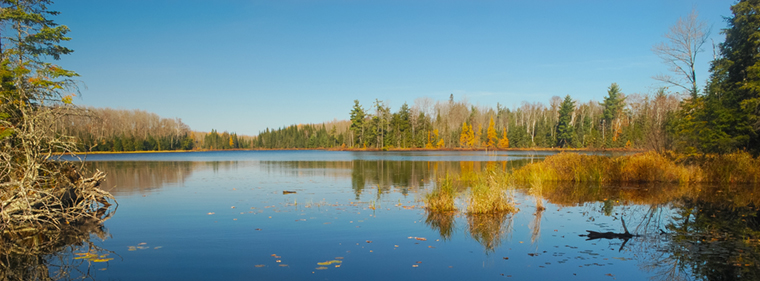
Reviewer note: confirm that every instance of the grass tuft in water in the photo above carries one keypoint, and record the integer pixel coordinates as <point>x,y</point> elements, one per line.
<point>441,199</point>
<point>489,193</point>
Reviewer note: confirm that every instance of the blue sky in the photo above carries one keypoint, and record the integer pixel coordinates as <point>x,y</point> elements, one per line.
<point>243,66</point>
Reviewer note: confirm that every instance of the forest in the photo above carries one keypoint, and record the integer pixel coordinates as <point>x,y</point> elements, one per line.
<point>116,130</point>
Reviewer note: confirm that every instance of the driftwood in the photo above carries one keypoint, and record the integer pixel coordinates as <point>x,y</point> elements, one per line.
<point>593,235</point>
<point>35,209</point>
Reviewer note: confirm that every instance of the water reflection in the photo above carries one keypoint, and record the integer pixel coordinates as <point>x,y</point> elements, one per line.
<point>708,232</point>
<point>686,231</point>
<point>55,254</point>
<point>442,222</point>
<point>489,229</point>
<point>133,177</point>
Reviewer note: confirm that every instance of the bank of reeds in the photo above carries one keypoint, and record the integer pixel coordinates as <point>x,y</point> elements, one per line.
<point>729,168</point>
<point>647,167</point>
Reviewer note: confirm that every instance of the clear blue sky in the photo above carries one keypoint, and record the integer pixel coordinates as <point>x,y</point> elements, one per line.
<point>242,66</point>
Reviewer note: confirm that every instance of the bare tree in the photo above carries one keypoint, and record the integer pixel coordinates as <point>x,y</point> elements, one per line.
<point>679,52</point>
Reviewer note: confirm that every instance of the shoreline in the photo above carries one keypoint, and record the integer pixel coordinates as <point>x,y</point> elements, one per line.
<point>372,150</point>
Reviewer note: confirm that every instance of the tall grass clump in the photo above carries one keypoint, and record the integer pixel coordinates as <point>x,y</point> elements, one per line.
<point>565,167</point>
<point>441,199</point>
<point>488,194</point>
<point>650,167</point>
<point>739,167</point>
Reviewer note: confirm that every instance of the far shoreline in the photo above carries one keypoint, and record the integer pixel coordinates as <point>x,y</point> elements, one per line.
<point>370,150</point>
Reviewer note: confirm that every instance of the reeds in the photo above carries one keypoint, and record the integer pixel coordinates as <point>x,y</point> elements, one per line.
<point>648,167</point>
<point>488,193</point>
<point>441,199</point>
<point>738,167</point>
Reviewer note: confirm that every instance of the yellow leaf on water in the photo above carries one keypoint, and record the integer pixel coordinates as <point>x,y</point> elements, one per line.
<point>259,265</point>
<point>329,262</point>
<point>101,260</point>
<point>321,268</point>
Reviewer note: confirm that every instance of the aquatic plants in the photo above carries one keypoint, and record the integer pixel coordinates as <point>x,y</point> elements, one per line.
<point>441,199</point>
<point>488,193</point>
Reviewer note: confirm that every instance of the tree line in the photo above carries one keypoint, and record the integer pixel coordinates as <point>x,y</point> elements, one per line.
<point>722,117</point>
<point>634,121</point>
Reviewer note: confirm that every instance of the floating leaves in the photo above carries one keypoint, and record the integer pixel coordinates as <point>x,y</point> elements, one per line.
<point>142,246</point>
<point>329,262</point>
<point>92,256</point>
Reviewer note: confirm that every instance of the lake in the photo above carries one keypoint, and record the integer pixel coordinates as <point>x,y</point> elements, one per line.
<point>327,215</point>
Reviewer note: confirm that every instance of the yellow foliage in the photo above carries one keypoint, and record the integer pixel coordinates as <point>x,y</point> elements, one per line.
<point>475,136</point>
<point>504,141</point>
<point>464,137</point>
<point>429,143</point>
<point>440,144</point>
<point>491,134</point>
<point>67,99</point>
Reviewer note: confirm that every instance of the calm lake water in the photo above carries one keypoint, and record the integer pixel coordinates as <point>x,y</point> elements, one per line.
<point>358,216</point>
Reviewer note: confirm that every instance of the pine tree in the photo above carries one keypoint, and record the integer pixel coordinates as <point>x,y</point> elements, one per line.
<point>357,123</point>
<point>564,129</point>
<point>613,105</point>
<point>731,108</point>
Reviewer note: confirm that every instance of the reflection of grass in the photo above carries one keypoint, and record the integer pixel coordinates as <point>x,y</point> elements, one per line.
<point>441,199</point>
<point>443,222</point>
<point>489,229</point>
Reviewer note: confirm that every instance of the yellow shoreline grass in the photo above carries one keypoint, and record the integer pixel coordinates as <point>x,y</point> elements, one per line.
<point>647,167</point>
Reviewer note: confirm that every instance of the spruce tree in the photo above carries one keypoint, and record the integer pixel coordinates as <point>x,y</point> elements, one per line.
<point>564,129</point>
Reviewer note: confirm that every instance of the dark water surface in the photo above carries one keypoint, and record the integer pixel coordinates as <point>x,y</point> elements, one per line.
<point>358,216</point>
